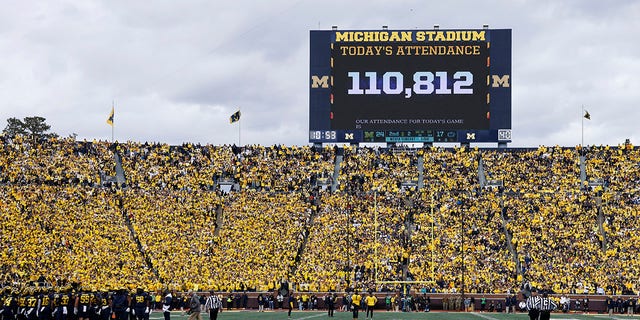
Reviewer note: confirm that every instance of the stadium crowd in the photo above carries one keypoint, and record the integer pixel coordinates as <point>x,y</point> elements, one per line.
<point>171,225</point>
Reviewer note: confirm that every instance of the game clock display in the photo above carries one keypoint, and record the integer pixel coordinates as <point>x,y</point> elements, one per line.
<point>410,86</point>
<point>327,135</point>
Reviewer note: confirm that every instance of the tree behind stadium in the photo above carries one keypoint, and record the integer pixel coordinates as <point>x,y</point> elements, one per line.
<point>34,127</point>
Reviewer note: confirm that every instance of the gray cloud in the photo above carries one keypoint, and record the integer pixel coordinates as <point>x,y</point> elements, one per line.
<point>178,69</point>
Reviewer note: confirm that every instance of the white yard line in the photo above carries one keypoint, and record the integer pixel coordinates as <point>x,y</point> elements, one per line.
<point>482,315</point>
<point>606,316</point>
<point>313,316</point>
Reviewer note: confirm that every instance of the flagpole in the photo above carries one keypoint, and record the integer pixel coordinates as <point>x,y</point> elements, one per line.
<point>113,104</point>
<point>582,139</point>
<point>239,125</point>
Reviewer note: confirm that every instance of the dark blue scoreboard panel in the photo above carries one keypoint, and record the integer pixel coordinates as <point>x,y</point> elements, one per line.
<point>410,86</point>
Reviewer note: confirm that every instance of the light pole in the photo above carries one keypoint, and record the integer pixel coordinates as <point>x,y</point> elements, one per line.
<point>349,245</point>
<point>463,208</point>
<point>433,247</point>
<point>462,244</point>
<point>375,234</point>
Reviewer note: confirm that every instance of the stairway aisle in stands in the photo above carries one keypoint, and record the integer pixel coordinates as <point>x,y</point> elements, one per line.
<point>121,180</point>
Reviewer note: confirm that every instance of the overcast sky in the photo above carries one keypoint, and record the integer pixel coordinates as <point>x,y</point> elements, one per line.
<point>178,69</point>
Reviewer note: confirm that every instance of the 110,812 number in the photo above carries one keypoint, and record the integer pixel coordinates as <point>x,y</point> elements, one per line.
<point>424,82</point>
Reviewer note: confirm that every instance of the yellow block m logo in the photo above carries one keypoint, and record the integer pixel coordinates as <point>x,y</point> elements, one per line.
<point>317,82</point>
<point>500,81</point>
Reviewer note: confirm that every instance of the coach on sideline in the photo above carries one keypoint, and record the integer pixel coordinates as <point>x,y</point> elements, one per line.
<point>194,306</point>
<point>166,305</point>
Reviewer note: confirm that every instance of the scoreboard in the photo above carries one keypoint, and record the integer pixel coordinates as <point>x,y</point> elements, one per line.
<point>410,86</point>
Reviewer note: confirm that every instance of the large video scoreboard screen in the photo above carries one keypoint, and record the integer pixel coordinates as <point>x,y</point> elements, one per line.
<point>410,86</point>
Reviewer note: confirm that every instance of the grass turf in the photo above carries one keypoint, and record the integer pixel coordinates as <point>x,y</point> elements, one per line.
<point>383,315</point>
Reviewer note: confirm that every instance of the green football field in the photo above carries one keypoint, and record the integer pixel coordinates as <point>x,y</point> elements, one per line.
<point>382,315</point>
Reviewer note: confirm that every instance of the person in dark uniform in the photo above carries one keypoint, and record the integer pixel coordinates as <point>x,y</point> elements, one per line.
<point>82,305</point>
<point>290,304</point>
<point>167,305</point>
<point>31,311</point>
<point>131,314</point>
<point>507,303</point>
<point>22,305</point>
<point>514,303</point>
<point>140,304</point>
<point>610,305</point>
<point>68,301</point>
<point>120,304</point>
<point>103,304</point>
<point>45,302</point>
<point>330,302</point>
<point>10,305</point>
<point>58,312</point>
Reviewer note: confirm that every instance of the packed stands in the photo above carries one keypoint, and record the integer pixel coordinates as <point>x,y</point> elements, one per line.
<point>171,225</point>
<point>342,240</point>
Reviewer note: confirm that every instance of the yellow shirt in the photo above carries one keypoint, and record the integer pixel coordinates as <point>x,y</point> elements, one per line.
<point>371,300</point>
<point>356,299</point>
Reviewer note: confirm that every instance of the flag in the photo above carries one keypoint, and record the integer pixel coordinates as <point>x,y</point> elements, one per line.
<point>110,119</point>
<point>587,115</point>
<point>235,117</point>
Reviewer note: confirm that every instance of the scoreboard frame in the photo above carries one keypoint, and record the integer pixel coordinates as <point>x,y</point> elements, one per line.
<point>410,86</point>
